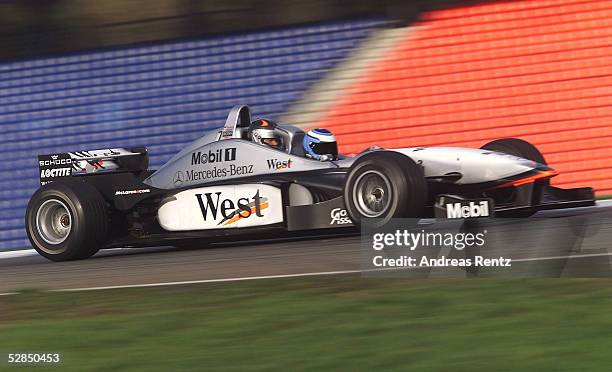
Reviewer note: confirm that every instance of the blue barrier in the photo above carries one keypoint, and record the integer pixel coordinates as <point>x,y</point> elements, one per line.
<point>160,96</point>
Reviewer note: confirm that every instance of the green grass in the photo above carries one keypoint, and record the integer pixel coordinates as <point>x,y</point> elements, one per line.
<point>340,322</point>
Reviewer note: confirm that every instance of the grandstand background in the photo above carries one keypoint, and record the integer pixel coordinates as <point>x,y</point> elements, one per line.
<point>161,96</point>
<point>538,70</point>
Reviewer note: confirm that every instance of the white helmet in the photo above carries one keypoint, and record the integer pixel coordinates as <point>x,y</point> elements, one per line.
<point>262,132</point>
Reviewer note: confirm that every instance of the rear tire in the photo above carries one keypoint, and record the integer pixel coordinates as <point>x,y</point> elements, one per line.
<point>384,185</point>
<point>67,220</point>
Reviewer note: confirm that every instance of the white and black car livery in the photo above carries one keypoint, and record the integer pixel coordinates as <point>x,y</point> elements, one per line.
<point>222,184</point>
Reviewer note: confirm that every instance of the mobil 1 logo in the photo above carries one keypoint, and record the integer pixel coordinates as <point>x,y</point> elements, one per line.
<point>54,166</point>
<point>453,207</point>
<point>213,156</point>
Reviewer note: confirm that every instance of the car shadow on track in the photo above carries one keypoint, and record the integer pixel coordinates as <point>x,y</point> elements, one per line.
<point>226,244</point>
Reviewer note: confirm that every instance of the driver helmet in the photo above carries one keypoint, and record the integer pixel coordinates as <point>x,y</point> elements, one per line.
<point>320,144</point>
<point>262,132</point>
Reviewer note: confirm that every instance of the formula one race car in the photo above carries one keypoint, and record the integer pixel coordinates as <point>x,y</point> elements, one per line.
<point>223,184</point>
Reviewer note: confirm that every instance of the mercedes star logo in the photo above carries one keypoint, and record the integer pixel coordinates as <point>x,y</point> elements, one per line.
<point>178,178</point>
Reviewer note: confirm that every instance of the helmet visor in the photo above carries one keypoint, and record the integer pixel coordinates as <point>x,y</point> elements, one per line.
<point>272,142</point>
<point>325,148</point>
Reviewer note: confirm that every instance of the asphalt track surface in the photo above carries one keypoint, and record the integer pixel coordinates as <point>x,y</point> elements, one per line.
<point>235,261</point>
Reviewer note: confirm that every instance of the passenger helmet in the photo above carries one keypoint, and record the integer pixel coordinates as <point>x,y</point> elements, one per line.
<point>320,144</point>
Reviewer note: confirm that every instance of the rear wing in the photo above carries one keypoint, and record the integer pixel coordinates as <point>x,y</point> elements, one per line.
<point>56,166</point>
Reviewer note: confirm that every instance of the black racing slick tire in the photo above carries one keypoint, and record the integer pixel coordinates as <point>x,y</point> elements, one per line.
<point>67,220</point>
<point>520,148</point>
<point>384,185</point>
<point>516,147</point>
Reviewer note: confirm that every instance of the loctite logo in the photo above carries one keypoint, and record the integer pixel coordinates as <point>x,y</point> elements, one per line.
<point>214,206</point>
<point>275,164</point>
<point>217,156</point>
<point>471,210</point>
<point>57,172</point>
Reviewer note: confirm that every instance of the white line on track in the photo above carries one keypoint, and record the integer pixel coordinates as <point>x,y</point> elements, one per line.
<point>604,203</point>
<point>239,279</point>
<point>221,280</point>
<point>323,273</point>
<point>32,252</point>
<point>561,257</point>
<point>17,254</point>
<point>28,252</point>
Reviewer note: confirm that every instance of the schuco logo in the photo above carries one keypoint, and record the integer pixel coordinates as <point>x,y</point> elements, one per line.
<point>55,160</point>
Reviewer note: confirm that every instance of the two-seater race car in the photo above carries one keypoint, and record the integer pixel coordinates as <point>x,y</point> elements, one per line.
<point>223,184</point>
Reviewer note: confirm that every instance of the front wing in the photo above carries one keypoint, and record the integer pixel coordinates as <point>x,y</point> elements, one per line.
<point>529,199</point>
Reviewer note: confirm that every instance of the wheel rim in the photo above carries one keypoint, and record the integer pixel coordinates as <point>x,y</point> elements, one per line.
<point>53,221</point>
<point>372,193</point>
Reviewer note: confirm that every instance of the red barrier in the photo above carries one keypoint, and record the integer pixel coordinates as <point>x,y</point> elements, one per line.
<point>539,70</point>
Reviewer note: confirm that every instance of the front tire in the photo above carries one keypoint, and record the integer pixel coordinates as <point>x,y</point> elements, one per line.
<point>516,147</point>
<point>67,220</point>
<point>383,185</point>
<point>523,149</point>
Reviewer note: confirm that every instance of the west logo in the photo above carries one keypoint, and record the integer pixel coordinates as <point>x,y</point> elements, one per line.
<point>471,210</point>
<point>276,164</point>
<point>213,205</point>
<point>217,156</point>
